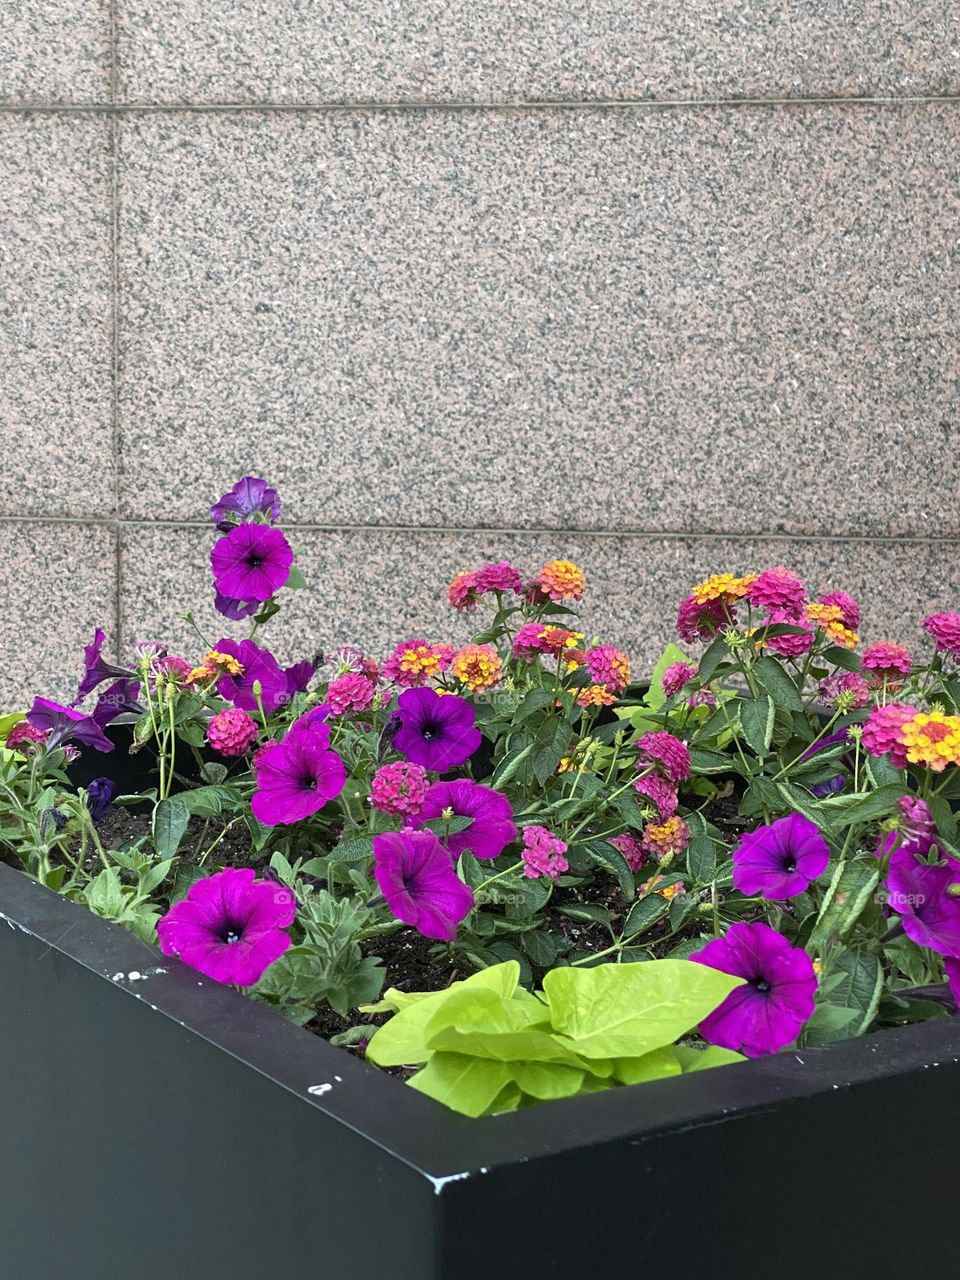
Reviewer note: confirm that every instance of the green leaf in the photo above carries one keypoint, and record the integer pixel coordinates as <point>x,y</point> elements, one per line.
<point>868,806</point>
<point>837,656</point>
<point>627,1010</point>
<point>772,677</point>
<point>756,720</point>
<point>155,877</point>
<point>540,946</point>
<point>695,1059</point>
<point>704,761</point>
<point>209,801</point>
<point>547,1080</point>
<point>645,912</point>
<point>716,652</point>
<point>850,889</point>
<point>613,860</point>
<point>353,849</point>
<point>656,1065</point>
<point>857,992</point>
<point>592,912</point>
<point>467,1085</point>
<point>170,820</point>
<point>534,700</point>
<point>701,858</point>
<point>510,765</point>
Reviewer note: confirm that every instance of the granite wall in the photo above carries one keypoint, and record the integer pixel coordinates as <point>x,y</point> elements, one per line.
<point>664,287</point>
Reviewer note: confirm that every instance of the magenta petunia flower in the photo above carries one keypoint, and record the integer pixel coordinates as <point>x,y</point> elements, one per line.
<point>945,629</point>
<point>881,732</point>
<point>780,860</point>
<point>249,496</point>
<point>251,562</point>
<point>492,828</point>
<point>886,660</point>
<point>232,732</point>
<point>64,724</point>
<point>669,754</point>
<point>951,970</point>
<point>230,926</point>
<point>435,730</point>
<point>921,896</point>
<point>777,998</point>
<point>96,669</point>
<point>849,609</point>
<point>779,591</point>
<point>417,879</point>
<point>399,788</point>
<point>295,778</point>
<point>258,665</point>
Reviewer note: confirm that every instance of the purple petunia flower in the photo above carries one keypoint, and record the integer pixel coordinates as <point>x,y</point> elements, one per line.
<point>435,730</point>
<point>234,609</point>
<point>830,787</point>
<point>118,699</point>
<point>258,664</point>
<point>951,970</point>
<point>777,998</point>
<point>416,877</point>
<point>492,828</point>
<point>920,895</point>
<point>298,677</point>
<point>780,860</point>
<point>230,926</point>
<point>296,777</point>
<point>95,669</point>
<point>249,496</point>
<point>64,724</point>
<point>100,793</point>
<point>251,562</point>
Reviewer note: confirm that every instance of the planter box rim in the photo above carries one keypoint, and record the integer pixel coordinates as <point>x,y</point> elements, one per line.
<point>437,1143</point>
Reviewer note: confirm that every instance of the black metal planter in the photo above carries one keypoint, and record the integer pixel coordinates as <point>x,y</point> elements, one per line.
<point>155,1126</point>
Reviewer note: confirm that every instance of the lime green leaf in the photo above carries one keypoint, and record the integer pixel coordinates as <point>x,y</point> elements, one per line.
<point>692,1059</point>
<point>650,1066</point>
<point>546,1080</point>
<point>468,1085</point>
<point>624,1011</point>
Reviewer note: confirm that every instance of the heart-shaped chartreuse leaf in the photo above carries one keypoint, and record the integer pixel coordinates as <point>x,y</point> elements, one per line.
<point>628,1010</point>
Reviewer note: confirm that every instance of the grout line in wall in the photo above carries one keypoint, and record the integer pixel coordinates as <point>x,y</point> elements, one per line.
<point>115,362</point>
<point>649,535</point>
<point>519,104</point>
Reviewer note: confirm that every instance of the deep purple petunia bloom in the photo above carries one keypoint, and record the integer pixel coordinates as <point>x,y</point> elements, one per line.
<point>780,860</point>
<point>100,793</point>
<point>416,877</point>
<point>248,497</point>
<point>234,609</point>
<point>116,700</point>
<point>778,997</point>
<point>258,664</point>
<point>436,730</point>
<point>251,562</point>
<point>296,777</point>
<point>492,827</point>
<point>95,669</point>
<point>918,893</point>
<point>298,677</point>
<point>64,724</point>
<point>830,787</point>
<point>230,926</point>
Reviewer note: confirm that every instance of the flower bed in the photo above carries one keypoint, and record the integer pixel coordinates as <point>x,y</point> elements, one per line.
<point>599,887</point>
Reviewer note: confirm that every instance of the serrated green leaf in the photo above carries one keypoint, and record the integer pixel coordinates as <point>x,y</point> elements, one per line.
<point>644,913</point>
<point>353,849</point>
<point>772,677</point>
<point>756,720</point>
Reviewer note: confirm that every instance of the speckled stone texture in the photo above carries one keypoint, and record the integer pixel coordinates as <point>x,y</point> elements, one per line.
<point>377,588</point>
<point>736,320</point>
<point>490,50</point>
<point>54,51</point>
<point>56,434</point>
<point>57,583</point>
